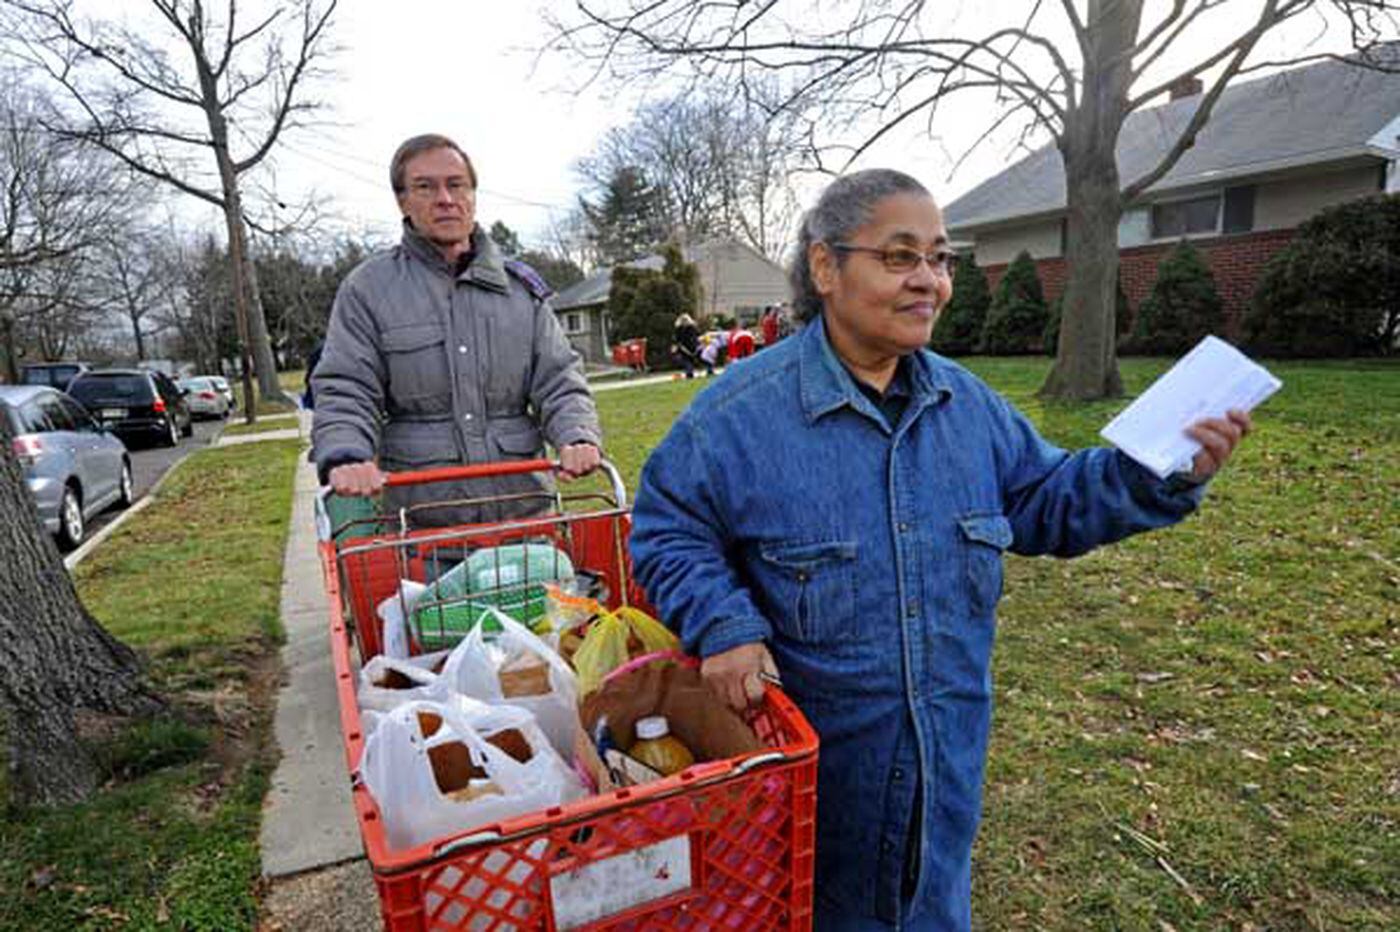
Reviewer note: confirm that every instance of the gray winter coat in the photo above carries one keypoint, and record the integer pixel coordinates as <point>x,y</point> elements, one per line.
<point>421,369</point>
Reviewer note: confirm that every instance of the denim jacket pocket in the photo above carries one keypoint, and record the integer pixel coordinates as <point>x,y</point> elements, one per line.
<point>812,587</point>
<point>985,538</point>
<point>417,363</point>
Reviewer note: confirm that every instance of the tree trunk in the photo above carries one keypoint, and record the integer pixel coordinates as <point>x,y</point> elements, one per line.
<point>61,667</point>
<point>136,332</point>
<point>7,346</point>
<point>1086,362</point>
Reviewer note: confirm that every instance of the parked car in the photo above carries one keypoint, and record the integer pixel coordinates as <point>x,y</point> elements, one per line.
<point>73,467</point>
<point>135,403</point>
<point>225,389</point>
<point>204,398</point>
<point>55,374</point>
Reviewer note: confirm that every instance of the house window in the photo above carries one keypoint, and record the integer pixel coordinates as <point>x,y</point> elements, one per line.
<point>1185,218</point>
<point>574,322</point>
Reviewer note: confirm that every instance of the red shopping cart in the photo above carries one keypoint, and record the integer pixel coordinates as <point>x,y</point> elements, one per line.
<point>735,836</point>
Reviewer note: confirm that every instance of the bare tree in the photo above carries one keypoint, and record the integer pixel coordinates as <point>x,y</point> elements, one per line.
<point>136,273</point>
<point>885,63</point>
<point>241,86</point>
<point>720,167</point>
<point>56,198</point>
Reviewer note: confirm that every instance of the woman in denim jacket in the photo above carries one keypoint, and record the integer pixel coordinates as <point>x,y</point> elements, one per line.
<point>835,510</point>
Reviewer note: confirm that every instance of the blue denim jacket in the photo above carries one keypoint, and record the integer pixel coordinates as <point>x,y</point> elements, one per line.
<point>781,507</point>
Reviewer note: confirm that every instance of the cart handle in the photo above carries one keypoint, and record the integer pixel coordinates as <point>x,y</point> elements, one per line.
<point>501,468</point>
<point>457,473</point>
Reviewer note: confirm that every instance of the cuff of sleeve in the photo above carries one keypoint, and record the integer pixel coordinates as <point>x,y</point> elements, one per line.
<point>579,435</point>
<point>1175,493</point>
<point>724,634</point>
<point>337,457</point>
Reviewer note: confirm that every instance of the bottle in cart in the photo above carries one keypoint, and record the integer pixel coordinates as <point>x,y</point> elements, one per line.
<point>658,748</point>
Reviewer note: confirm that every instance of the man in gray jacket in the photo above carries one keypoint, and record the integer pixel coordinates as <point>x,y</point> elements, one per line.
<point>439,353</point>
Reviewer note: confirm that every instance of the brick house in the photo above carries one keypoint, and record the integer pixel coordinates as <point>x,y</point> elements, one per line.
<point>1276,151</point>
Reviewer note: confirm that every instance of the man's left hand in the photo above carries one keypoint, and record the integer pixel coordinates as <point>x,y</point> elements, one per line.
<point>1218,437</point>
<point>578,459</point>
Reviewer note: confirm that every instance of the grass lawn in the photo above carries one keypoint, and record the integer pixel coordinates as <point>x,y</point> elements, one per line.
<point>261,426</point>
<point>194,583</point>
<point>1200,728</point>
<point>292,383</point>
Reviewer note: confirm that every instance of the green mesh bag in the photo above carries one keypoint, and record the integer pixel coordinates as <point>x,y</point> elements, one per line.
<point>510,578</point>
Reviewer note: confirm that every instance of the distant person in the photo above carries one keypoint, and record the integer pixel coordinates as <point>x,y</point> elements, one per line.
<point>308,395</point>
<point>713,350</point>
<point>868,578</point>
<point>440,352</point>
<point>740,343</point>
<point>685,348</point>
<point>769,325</point>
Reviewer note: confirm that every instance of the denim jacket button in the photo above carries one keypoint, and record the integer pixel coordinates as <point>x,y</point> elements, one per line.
<point>903,527</point>
<point>897,773</point>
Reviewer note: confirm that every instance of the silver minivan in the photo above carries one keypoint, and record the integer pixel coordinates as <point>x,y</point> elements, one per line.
<point>74,469</point>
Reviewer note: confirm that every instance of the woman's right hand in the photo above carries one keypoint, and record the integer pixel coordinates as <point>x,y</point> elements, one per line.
<point>736,675</point>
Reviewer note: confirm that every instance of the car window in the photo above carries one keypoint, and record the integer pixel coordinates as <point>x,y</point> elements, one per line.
<point>81,419</point>
<point>57,415</point>
<point>32,419</point>
<point>116,388</point>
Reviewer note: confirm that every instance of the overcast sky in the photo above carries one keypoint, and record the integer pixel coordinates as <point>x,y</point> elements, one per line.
<point>468,69</point>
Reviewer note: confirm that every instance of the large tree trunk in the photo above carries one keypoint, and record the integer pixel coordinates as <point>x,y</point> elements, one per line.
<point>61,669</point>
<point>1086,363</point>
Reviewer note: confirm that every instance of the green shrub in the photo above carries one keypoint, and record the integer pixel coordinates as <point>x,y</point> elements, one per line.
<point>1335,289</point>
<point>959,327</point>
<point>1016,319</point>
<point>1050,342</point>
<point>1182,308</point>
<point>645,303</point>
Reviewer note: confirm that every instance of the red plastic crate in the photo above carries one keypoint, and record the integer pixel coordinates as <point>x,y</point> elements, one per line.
<point>738,834</point>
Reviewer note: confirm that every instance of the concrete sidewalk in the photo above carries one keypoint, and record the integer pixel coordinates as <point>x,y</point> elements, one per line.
<point>308,821</point>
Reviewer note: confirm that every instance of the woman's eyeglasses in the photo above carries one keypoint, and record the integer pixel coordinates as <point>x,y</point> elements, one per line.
<point>905,259</point>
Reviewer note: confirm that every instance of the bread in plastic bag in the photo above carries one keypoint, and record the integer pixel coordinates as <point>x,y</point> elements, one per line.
<point>516,667</point>
<point>436,769</point>
<point>389,682</point>
<point>510,578</point>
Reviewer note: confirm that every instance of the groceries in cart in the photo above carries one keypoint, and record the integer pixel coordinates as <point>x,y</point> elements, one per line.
<point>510,578</point>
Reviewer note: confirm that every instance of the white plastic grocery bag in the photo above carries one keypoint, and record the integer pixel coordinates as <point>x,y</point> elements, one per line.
<point>440,768</point>
<point>516,667</point>
<point>393,612</point>
<point>389,682</point>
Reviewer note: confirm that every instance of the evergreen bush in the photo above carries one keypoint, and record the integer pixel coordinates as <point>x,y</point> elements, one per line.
<point>1182,308</point>
<point>959,327</point>
<point>645,303</point>
<point>1335,289</point>
<point>1016,319</point>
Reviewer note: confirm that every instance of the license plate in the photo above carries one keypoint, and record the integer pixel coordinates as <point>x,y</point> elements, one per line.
<point>114,412</point>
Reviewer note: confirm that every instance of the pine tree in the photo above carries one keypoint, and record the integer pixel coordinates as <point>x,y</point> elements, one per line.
<point>1016,319</point>
<point>629,220</point>
<point>1182,308</point>
<point>959,327</point>
<point>645,303</point>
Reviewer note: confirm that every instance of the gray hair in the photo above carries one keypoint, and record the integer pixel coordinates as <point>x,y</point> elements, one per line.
<point>417,145</point>
<point>844,207</point>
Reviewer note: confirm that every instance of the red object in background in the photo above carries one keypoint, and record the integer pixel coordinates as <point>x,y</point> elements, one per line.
<point>631,353</point>
<point>740,344</point>
<point>770,328</point>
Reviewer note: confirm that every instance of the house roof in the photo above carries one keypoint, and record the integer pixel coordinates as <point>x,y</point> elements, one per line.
<point>1326,112</point>
<point>595,288</point>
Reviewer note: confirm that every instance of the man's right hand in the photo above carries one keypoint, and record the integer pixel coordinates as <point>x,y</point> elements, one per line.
<point>734,674</point>
<point>356,479</point>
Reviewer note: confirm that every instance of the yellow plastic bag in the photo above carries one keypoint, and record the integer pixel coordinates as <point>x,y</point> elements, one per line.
<point>614,639</point>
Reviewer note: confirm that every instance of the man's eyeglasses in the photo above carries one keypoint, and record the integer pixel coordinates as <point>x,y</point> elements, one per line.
<point>905,259</point>
<point>457,188</point>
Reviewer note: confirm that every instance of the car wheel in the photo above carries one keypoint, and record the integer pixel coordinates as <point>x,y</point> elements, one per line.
<point>126,490</point>
<point>172,433</point>
<point>70,520</point>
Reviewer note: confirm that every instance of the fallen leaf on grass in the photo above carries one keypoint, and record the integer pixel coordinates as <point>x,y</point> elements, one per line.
<point>1155,677</point>
<point>1253,755</point>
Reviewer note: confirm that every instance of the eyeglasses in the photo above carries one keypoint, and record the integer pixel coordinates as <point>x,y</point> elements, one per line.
<point>905,259</point>
<point>458,189</point>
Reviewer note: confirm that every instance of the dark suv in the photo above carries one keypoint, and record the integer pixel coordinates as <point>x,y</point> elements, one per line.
<point>135,403</point>
<point>55,374</point>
